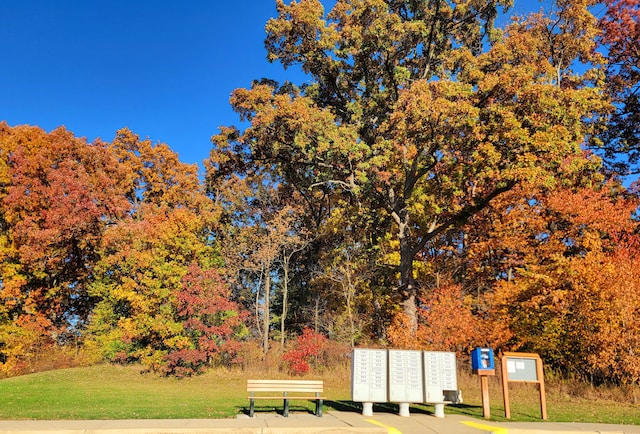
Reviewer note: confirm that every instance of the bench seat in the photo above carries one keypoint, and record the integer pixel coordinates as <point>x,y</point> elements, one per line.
<point>286,390</point>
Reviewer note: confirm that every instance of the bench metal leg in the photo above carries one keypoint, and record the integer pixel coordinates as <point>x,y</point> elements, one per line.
<point>251,407</point>
<point>319,407</point>
<point>285,412</point>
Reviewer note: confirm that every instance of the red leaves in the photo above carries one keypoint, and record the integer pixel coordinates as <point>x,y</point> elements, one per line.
<point>621,39</point>
<point>307,346</point>
<point>210,319</point>
<point>622,30</point>
<point>62,189</point>
<point>59,193</point>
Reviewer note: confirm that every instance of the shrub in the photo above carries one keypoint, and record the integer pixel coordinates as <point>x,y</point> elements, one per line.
<point>211,321</point>
<point>306,347</point>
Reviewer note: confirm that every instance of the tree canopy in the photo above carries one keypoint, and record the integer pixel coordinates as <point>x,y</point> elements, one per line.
<point>426,179</point>
<point>416,114</point>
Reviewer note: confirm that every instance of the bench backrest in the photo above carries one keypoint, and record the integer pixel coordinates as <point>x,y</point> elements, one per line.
<point>303,386</point>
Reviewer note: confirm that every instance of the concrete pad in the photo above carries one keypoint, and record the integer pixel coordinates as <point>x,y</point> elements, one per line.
<point>333,422</point>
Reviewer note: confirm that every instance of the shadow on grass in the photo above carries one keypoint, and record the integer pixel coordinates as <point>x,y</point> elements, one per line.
<point>356,407</point>
<point>278,409</point>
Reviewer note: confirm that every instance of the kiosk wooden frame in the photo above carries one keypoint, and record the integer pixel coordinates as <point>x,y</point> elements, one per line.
<point>517,367</point>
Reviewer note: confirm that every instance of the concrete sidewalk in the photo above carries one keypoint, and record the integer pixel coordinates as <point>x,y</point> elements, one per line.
<point>333,422</point>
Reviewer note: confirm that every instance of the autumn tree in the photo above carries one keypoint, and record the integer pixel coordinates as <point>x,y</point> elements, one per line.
<point>155,174</point>
<point>258,245</point>
<point>212,322</point>
<point>57,195</point>
<point>146,254</point>
<point>445,323</point>
<point>572,295</point>
<point>419,114</point>
<point>294,241</point>
<point>621,38</point>
<point>355,298</point>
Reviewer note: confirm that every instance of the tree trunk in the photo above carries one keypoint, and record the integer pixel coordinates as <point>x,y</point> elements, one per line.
<point>266,316</point>
<point>285,294</point>
<point>316,314</point>
<point>407,288</point>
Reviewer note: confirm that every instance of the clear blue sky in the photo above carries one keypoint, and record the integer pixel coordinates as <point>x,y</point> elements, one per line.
<point>163,68</point>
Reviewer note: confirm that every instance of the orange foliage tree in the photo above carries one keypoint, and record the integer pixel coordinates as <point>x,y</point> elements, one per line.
<point>57,194</point>
<point>447,322</point>
<point>144,258</point>
<point>573,297</point>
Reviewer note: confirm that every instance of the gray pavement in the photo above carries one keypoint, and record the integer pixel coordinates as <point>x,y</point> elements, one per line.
<point>333,422</point>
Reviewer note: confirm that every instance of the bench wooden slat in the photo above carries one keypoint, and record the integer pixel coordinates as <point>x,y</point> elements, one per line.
<point>286,383</point>
<point>284,389</point>
<point>285,397</point>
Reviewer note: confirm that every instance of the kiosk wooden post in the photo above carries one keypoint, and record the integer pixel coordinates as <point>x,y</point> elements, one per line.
<point>484,387</point>
<point>524,368</point>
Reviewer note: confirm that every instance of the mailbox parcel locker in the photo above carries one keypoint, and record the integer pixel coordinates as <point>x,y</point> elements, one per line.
<point>369,375</point>
<point>405,376</point>
<point>440,375</point>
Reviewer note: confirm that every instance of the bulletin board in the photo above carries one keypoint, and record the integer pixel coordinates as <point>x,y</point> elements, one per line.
<point>523,368</point>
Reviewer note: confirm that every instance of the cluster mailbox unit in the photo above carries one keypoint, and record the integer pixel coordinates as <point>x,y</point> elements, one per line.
<point>403,377</point>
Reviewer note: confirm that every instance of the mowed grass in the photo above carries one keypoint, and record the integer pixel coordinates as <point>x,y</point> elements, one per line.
<point>117,392</point>
<point>567,401</point>
<point>123,392</point>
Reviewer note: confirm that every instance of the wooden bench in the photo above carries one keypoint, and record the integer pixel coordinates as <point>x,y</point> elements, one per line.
<point>286,390</point>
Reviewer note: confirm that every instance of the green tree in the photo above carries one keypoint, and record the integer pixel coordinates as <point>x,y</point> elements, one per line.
<point>417,115</point>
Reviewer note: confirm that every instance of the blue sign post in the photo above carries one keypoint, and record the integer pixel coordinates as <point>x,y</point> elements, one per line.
<point>482,364</point>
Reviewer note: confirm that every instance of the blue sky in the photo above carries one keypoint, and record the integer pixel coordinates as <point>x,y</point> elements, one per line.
<point>165,69</point>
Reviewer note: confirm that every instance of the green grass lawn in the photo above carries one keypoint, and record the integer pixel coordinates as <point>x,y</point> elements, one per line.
<point>566,402</point>
<point>119,392</point>
<point>122,392</point>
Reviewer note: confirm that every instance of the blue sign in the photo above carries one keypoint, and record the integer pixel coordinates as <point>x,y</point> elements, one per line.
<point>482,359</point>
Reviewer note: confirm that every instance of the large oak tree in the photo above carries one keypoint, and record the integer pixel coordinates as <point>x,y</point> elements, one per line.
<point>416,114</point>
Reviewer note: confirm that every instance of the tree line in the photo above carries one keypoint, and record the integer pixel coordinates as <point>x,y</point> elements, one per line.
<point>436,181</point>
